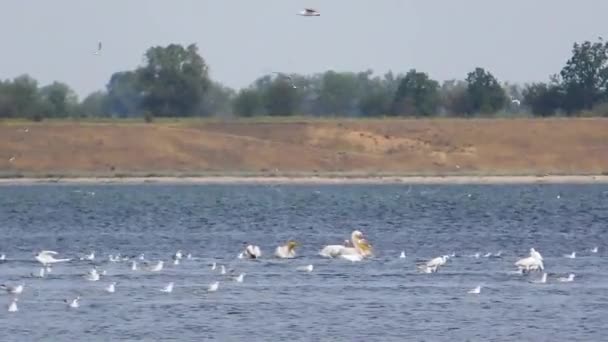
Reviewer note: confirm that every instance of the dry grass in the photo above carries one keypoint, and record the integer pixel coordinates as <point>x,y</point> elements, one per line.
<point>438,146</point>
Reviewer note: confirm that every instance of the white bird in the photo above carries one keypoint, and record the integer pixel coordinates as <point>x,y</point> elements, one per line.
<point>176,261</point>
<point>133,265</point>
<point>168,288</point>
<point>113,258</point>
<point>433,265</point>
<point>47,258</point>
<point>476,290</point>
<point>141,257</point>
<point>567,280</point>
<point>11,159</point>
<point>594,249</point>
<point>515,101</point>
<point>98,51</point>
<point>222,269</point>
<point>287,251</point>
<point>361,249</point>
<point>89,257</point>
<point>570,256</point>
<point>240,278</point>
<point>15,290</point>
<point>214,286</point>
<point>402,255</point>
<point>476,255</point>
<point>213,266</point>
<point>189,256</point>
<point>2,257</point>
<point>487,255</point>
<point>253,252</point>
<point>158,267</point>
<point>535,254</point>
<point>178,254</point>
<point>74,303</point>
<point>111,288</point>
<point>13,305</point>
<point>40,273</point>
<point>529,264</point>
<point>309,12</point>
<point>307,268</point>
<point>92,275</point>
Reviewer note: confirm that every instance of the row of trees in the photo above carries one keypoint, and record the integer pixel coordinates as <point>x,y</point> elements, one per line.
<point>174,82</point>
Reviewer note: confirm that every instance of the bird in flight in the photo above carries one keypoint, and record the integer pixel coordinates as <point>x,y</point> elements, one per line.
<point>309,12</point>
<point>98,51</point>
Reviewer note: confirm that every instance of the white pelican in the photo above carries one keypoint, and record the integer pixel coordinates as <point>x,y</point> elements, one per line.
<point>287,251</point>
<point>307,268</point>
<point>111,288</point>
<point>13,306</point>
<point>402,256</point>
<point>74,303</point>
<point>567,280</point>
<point>535,254</point>
<point>213,286</point>
<point>361,249</point>
<point>309,12</point>
<point>532,263</point>
<point>168,288</point>
<point>15,290</point>
<point>594,249</point>
<point>47,258</point>
<point>240,278</point>
<point>158,267</point>
<point>433,265</point>
<point>570,256</point>
<point>252,252</point>
<point>476,290</point>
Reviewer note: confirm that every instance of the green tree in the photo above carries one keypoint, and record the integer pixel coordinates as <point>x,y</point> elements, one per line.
<point>217,101</point>
<point>338,93</point>
<point>59,99</point>
<point>585,76</point>
<point>417,95</point>
<point>485,95</point>
<point>94,105</point>
<point>280,98</point>
<point>247,103</point>
<point>543,99</point>
<point>174,80</point>
<point>124,96</point>
<point>454,98</point>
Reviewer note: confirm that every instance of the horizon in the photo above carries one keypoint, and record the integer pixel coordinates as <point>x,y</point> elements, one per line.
<point>530,52</point>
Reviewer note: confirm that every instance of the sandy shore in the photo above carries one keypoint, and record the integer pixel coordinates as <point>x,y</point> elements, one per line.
<point>315,180</point>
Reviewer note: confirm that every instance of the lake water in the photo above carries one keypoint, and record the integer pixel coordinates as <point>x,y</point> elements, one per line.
<point>381,299</point>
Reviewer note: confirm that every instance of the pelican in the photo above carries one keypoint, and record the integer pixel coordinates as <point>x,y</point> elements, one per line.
<point>567,280</point>
<point>15,290</point>
<point>570,256</point>
<point>307,268</point>
<point>13,306</point>
<point>213,286</point>
<point>361,249</point>
<point>309,12</point>
<point>535,254</point>
<point>74,303</point>
<point>111,288</point>
<point>158,267</point>
<point>168,288</point>
<point>433,265</point>
<point>252,252</point>
<point>287,251</point>
<point>532,263</point>
<point>47,258</point>
<point>476,290</point>
<point>240,278</point>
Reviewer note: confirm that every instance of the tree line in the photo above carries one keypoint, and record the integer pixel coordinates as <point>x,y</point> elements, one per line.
<point>174,81</point>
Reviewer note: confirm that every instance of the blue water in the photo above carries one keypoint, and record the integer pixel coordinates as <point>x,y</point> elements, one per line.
<point>382,299</point>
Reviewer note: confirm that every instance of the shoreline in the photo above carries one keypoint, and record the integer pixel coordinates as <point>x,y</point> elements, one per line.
<point>313,180</point>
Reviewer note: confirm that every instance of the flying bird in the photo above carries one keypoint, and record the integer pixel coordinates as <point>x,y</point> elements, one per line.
<point>309,12</point>
<point>98,51</point>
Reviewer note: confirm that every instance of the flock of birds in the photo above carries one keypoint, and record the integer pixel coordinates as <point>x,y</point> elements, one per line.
<point>354,250</point>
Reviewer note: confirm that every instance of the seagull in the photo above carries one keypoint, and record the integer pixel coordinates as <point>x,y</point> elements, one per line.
<point>253,252</point>
<point>214,286</point>
<point>189,256</point>
<point>2,257</point>
<point>594,249</point>
<point>178,254</point>
<point>309,12</point>
<point>240,278</point>
<point>13,306</point>
<point>141,256</point>
<point>213,266</point>
<point>570,256</point>
<point>15,290</point>
<point>47,257</point>
<point>175,261</point>
<point>476,290</point>
<point>307,268</point>
<point>402,256</point>
<point>515,101</point>
<point>98,51</point>
<point>222,269</point>
<point>133,265</point>
<point>168,288</point>
<point>567,280</point>
<point>89,257</point>
<point>158,267</point>
<point>74,303</point>
<point>92,275</point>
<point>487,255</point>
<point>111,288</point>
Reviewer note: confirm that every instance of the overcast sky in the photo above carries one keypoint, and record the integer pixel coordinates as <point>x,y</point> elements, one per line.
<point>518,40</point>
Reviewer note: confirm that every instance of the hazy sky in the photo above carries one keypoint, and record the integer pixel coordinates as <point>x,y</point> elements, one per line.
<point>518,40</point>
